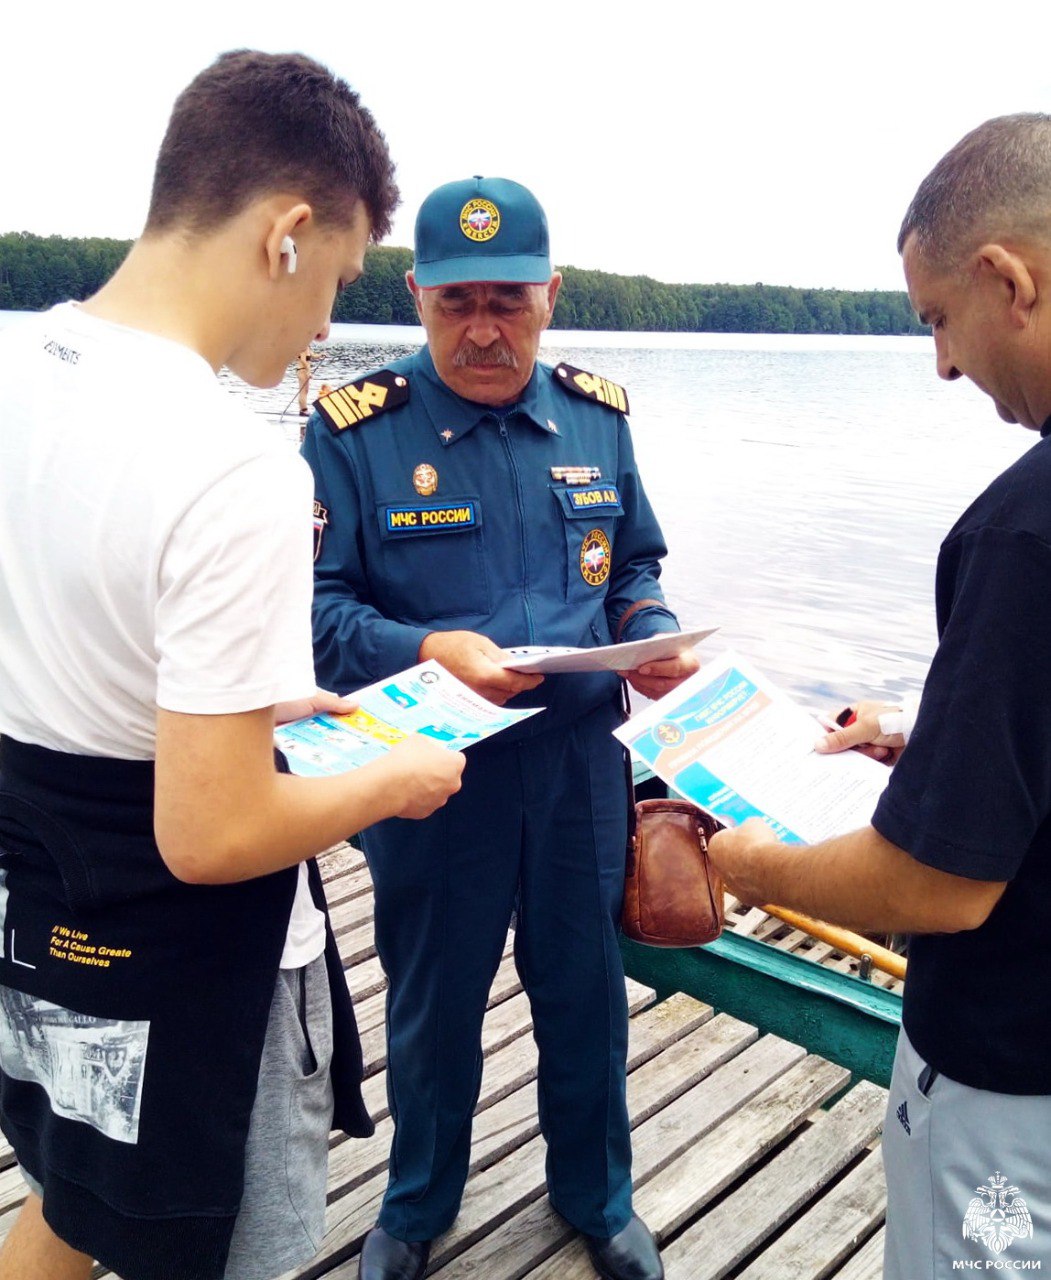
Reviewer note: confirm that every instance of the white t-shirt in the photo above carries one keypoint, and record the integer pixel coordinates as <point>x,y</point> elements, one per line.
<point>154,543</point>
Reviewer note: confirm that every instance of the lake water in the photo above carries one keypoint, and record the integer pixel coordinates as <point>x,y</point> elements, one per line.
<point>803,485</point>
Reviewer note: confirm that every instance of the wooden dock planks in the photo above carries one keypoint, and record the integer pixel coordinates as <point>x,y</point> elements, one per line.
<point>751,1157</point>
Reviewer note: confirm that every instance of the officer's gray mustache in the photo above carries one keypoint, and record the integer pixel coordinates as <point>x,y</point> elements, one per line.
<point>497,355</point>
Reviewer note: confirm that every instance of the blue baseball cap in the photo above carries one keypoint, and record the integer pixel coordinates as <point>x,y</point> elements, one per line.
<point>481,229</point>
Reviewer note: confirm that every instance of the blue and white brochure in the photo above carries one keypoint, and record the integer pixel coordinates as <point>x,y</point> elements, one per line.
<point>425,699</point>
<point>738,746</point>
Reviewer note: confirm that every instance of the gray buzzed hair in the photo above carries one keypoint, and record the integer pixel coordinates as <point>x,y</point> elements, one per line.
<point>995,182</point>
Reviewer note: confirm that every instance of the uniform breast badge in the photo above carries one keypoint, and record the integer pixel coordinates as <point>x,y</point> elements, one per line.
<point>595,558</point>
<point>425,480</point>
<point>575,475</point>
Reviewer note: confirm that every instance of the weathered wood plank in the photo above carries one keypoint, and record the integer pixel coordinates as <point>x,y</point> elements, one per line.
<point>706,1104</point>
<point>349,1217</point>
<point>365,978</point>
<point>351,914</point>
<point>348,885</point>
<point>356,943</point>
<point>343,857</point>
<point>746,1136</point>
<point>491,1201</point>
<point>739,1224</point>
<point>13,1189</point>
<point>867,1263</point>
<point>818,1242</point>
<point>503,1190</point>
<point>522,1241</point>
<point>703,1169</point>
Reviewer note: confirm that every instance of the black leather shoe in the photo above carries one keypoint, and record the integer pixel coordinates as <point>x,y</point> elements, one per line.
<point>629,1255</point>
<point>384,1258</point>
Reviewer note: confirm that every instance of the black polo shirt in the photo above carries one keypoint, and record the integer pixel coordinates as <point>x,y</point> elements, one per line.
<point>971,795</point>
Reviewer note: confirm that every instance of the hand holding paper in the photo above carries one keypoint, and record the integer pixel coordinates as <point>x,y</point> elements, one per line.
<point>610,657</point>
<point>478,662</point>
<point>285,712</point>
<point>737,852</point>
<point>425,700</point>
<point>426,773</point>
<point>735,744</point>
<point>656,679</point>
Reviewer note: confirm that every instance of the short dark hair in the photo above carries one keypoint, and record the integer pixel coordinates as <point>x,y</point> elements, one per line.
<point>995,182</point>
<point>254,123</point>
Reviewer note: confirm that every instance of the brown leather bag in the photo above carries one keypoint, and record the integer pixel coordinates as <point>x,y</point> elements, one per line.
<point>673,896</point>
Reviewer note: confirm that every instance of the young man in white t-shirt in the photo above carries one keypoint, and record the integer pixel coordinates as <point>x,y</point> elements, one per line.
<point>155,588</point>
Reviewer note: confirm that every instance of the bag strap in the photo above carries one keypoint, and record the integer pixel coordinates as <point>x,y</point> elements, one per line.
<point>632,610</point>
<point>625,618</point>
<point>629,778</point>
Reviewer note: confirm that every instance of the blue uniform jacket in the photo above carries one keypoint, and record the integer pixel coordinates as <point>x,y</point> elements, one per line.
<point>502,546</point>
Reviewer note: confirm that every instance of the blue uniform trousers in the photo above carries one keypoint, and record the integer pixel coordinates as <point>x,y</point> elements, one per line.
<point>539,826</point>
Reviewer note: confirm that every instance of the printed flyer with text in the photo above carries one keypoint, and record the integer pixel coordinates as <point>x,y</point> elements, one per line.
<point>423,699</point>
<point>738,746</point>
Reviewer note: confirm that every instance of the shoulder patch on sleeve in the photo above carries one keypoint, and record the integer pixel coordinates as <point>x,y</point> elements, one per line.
<point>592,386</point>
<point>364,399</point>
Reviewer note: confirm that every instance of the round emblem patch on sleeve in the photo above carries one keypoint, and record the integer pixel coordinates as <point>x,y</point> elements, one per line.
<point>479,219</point>
<point>594,558</point>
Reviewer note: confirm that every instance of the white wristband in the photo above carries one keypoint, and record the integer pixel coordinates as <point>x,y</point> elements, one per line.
<point>891,722</point>
<point>910,706</point>
<point>900,719</point>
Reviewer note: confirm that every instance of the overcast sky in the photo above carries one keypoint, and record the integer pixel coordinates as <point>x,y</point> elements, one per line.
<point>737,141</point>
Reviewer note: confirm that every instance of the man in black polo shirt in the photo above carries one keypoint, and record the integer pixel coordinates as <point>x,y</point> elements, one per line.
<point>959,851</point>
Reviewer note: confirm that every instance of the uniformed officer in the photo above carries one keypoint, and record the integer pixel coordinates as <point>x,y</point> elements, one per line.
<point>469,498</point>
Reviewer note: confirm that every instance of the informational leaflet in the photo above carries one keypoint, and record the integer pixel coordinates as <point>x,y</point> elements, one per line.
<point>609,657</point>
<point>424,699</point>
<point>735,744</point>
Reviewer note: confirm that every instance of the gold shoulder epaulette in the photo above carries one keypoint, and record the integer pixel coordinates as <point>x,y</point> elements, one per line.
<point>593,387</point>
<point>364,399</point>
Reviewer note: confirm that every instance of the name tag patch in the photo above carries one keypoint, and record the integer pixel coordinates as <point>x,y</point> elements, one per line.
<point>445,517</point>
<point>594,496</point>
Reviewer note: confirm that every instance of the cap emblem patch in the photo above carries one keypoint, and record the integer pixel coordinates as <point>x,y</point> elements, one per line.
<point>479,220</point>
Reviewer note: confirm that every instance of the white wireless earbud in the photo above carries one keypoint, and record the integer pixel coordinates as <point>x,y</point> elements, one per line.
<point>288,247</point>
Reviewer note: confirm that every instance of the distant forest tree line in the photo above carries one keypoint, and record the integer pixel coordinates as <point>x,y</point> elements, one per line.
<point>38,271</point>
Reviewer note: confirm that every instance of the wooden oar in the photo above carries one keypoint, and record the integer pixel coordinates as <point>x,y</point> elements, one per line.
<point>854,944</point>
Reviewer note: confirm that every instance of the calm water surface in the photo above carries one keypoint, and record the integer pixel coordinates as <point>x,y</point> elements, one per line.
<point>803,485</point>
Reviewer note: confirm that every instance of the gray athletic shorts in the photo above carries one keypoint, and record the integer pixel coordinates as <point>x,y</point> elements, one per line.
<point>282,1215</point>
<point>968,1177</point>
